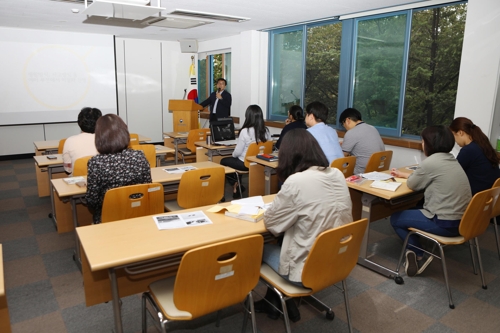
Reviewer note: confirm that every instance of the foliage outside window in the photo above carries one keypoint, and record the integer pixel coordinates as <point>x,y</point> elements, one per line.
<point>323,66</point>
<point>399,69</point>
<point>433,67</point>
<point>220,66</point>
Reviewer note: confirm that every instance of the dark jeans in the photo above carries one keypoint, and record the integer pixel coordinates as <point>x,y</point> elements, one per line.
<point>235,163</point>
<point>414,218</point>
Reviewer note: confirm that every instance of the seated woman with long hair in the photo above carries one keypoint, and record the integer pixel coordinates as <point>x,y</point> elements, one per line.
<point>253,130</point>
<point>477,157</point>
<point>115,165</point>
<point>295,120</point>
<point>313,198</point>
<point>446,193</point>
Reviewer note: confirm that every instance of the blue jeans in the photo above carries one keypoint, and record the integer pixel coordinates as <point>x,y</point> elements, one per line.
<point>271,256</point>
<point>414,218</point>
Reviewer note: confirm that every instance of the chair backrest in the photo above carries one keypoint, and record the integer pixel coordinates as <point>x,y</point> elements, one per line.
<point>134,140</point>
<point>258,148</point>
<point>132,201</point>
<point>201,187</point>
<point>333,255</point>
<point>477,216</point>
<point>149,151</point>
<point>80,167</point>
<point>61,146</point>
<point>345,164</point>
<point>196,135</point>
<point>379,161</point>
<point>216,276</point>
<point>496,206</point>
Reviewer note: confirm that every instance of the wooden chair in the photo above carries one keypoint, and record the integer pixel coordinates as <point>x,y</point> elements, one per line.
<point>193,136</point>
<point>132,201</point>
<point>61,146</point>
<point>149,151</point>
<point>254,149</point>
<point>134,140</point>
<point>210,278</point>
<point>474,222</point>
<point>198,188</point>
<point>331,259</point>
<point>494,215</point>
<point>379,161</point>
<point>80,167</point>
<point>345,164</point>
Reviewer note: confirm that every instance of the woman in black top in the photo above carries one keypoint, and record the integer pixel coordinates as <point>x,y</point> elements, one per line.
<point>115,165</point>
<point>295,120</point>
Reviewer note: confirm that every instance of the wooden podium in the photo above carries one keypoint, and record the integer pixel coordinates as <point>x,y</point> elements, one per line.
<point>185,113</point>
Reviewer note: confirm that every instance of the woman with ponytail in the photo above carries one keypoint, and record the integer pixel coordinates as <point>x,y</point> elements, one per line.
<point>477,157</point>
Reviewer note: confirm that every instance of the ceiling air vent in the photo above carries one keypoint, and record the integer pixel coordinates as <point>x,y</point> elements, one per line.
<point>208,16</point>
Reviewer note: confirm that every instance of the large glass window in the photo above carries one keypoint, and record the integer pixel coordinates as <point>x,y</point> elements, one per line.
<point>323,66</point>
<point>287,69</point>
<point>380,47</point>
<point>219,65</point>
<point>399,69</point>
<point>433,67</point>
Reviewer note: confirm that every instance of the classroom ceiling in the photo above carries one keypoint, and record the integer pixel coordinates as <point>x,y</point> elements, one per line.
<point>263,14</point>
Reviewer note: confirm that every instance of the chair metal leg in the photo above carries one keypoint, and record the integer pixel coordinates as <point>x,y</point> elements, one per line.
<point>285,314</point>
<point>495,226</point>
<point>473,256</point>
<point>445,273</point>
<point>398,279</point>
<point>144,314</point>
<point>481,272</point>
<point>346,301</point>
<point>239,184</point>
<point>252,312</point>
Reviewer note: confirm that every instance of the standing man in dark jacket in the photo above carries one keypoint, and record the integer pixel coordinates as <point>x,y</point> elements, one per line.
<point>220,101</point>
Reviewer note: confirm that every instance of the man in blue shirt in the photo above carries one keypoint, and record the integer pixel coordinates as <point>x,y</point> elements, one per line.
<point>316,115</point>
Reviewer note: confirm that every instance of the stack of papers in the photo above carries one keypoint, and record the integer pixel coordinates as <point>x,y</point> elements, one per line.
<point>375,175</point>
<point>383,185</point>
<point>249,209</point>
<point>74,180</point>
<point>180,169</point>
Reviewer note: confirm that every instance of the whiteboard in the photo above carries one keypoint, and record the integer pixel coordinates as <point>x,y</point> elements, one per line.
<point>49,76</point>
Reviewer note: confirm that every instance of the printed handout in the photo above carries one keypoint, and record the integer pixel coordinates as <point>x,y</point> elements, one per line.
<point>175,221</point>
<point>179,169</point>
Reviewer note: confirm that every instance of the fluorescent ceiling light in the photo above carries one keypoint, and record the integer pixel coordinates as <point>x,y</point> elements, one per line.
<point>208,16</point>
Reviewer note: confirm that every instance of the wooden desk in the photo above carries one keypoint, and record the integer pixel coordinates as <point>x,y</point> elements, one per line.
<point>45,169</point>
<point>374,204</point>
<point>4,310</point>
<point>74,193</point>
<point>111,252</point>
<point>213,153</point>
<point>179,138</point>
<point>262,178</point>
<point>162,151</point>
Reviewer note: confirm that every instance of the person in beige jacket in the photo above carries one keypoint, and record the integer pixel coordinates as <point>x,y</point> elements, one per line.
<point>313,198</point>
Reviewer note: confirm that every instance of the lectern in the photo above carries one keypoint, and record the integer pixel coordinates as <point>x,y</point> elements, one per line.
<point>185,113</point>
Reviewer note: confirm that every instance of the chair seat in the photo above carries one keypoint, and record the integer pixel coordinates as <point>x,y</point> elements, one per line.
<point>172,205</point>
<point>163,291</point>
<point>185,151</point>
<point>285,286</point>
<point>441,239</point>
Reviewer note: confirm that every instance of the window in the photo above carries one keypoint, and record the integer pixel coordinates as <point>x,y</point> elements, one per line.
<point>400,69</point>
<point>219,66</point>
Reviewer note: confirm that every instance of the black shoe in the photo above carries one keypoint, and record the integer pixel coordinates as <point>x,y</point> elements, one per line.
<point>263,306</point>
<point>293,311</point>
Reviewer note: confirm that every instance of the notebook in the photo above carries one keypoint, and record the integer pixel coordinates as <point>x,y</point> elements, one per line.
<point>222,132</point>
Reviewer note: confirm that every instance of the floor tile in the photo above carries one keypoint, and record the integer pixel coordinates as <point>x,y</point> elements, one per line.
<point>24,271</point>
<point>15,230</point>
<point>20,248</point>
<point>49,323</point>
<point>59,263</point>
<point>68,289</point>
<point>51,242</point>
<point>486,318</point>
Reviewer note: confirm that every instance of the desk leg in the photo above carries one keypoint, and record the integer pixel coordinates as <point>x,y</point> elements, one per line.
<point>117,311</point>
<point>176,145</point>
<point>76,253</point>
<point>51,190</point>
<point>267,178</point>
<point>367,200</point>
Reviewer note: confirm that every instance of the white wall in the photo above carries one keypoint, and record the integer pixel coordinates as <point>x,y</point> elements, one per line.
<point>249,56</point>
<point>479,69</point>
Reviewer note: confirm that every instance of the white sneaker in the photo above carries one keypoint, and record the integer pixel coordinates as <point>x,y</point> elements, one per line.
<point>411,267</point>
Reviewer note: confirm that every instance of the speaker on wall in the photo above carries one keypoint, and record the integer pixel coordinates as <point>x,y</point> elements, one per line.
<point>189,46</point>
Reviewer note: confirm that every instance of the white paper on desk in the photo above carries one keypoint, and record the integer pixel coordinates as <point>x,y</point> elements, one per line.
<point>375,175</point>
<point>256,201</point>
<point>74,180</point>
<point>158,147</point>
<point>175,221</point>
<point>249,210</point>
<point>180,169</point>
<point>390,186</point>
